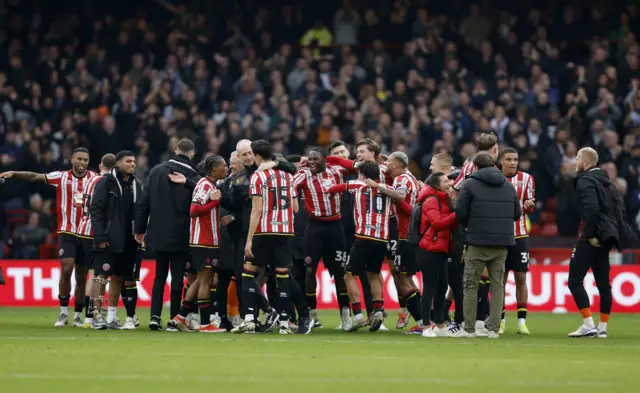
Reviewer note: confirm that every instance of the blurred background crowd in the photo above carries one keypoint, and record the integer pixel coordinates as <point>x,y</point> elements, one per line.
<point>422,77</point>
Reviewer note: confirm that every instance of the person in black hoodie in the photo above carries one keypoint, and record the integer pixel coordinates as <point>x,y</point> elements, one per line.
<point>162,220</point>
<point>115,250</point>
<point>596,201</point>
<point>487,206</point>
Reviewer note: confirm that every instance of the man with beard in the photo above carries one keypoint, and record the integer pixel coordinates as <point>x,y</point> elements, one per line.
<point>69,186</point>
<point>240,200</point>
<point>324,237</point>
<point>602,226</point>
<point>115,248</point>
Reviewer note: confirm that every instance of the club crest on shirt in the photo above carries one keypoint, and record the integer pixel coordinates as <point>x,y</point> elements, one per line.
<point>61,252</point>
<point>307,260</point>
<point>106,267</point>
<point>214,262</point>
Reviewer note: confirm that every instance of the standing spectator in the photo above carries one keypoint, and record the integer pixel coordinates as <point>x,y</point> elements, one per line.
<point>345,25</point>
<point>486,200</point>
<point>28,238</point>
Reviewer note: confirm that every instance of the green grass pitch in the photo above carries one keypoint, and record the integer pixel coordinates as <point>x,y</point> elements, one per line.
<point>35,357</point>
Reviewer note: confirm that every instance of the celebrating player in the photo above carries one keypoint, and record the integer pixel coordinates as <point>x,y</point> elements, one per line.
<point>274,201</point>
<point>324,237</point>
<point>518,255</point>
<point>372,210</point>
<point>205,244</point>
<point>69,194</point>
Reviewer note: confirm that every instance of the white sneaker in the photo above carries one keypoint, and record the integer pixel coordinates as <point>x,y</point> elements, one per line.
<point>479,325</point>
<point>193,322</point>
<point>244,327</point>
<point>383,328</point>
<point>482,332</point>
<point>491,334</point>
<point>357,323</point>
<point>136,322</point>
<point>236,320</point>
<point>345,317</point>
<point>63,319</point>
<point>429,333</point>
<point>313,314</point>
<point>462,334</point>
<point>215,320</point>
<point>77,322</point>
<point>602,334</point>
<point>584,331</point>
<point>129,324</point>
<point>442,332</point>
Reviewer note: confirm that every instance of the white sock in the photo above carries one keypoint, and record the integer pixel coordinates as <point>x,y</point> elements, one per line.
<point>602,326</point>
<point>111,314</point>
<point>64,310</point>
<point>419,323</point>
<point>284,324</point>
<point>77,315</point>
<point>248,318</point>
<point>521,321</point>
<point>358,317</point>
<point>88,320</point>
<point>588,322</point>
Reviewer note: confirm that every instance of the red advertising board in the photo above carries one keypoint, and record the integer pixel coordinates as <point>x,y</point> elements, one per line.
<point>35,283</point>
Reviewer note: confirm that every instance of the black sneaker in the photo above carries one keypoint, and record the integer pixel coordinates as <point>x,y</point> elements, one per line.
<point>271,319</point>
<point>155,324</point>
<point>225,323</point>
<point>304,325</point>
<point>172,326</point>
<point>376,320</point>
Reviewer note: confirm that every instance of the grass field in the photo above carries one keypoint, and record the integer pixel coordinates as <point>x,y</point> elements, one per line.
<point>36,357</point>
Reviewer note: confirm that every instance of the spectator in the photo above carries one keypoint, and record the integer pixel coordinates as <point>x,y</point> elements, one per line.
<point>28,238</point>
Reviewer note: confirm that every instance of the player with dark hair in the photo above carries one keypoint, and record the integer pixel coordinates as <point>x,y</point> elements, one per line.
<point>324,238</point>
<point>205,244</point>
<point>274,201</point>
<point>372,210</point>
<point>69,194</point>
<point>115,249</point>
<point>518,255</point>
<point>85,233</point>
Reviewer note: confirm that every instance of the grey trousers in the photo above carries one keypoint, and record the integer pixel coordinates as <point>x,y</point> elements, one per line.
<point>476,259</point>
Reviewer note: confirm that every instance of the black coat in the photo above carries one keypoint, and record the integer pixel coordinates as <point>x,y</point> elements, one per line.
<point>487,206</point>
<point>163,211</point>
<point>110,213</point>
<point>602,210</point>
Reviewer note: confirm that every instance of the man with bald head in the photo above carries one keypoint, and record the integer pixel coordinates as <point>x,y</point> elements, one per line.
<point>598,201</point>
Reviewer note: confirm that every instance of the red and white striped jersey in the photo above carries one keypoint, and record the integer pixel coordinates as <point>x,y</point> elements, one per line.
<point>70,195</point>
<point>277,192</point>
<point>525,189</point>
<point>408,183</point>
<point>319,203</point>
<point>467,169</point>
<point>84,228</point>
<point>205,229</point>
<point>371,210</point>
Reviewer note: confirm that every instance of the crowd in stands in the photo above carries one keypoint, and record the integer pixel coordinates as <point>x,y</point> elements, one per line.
<point>421,77</point>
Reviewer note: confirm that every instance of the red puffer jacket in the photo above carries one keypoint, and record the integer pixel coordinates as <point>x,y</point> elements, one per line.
<point>438,217</point>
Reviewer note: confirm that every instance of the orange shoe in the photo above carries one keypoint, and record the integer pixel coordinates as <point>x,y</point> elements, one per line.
<point>211,329</point>
<point>403,320</point>
<point>181,323</point>
<point>415,330</point>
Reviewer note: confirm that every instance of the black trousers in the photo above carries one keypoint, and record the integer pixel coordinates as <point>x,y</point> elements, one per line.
<point>587,257</point>
<point>454,276</point>
<point>434,284</point>
<point>165,261</point>
<point>224,280</point>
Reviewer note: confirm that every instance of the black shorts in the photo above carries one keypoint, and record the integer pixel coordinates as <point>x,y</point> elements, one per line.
<point>125,264</point>
<point>392,246</point>
<point>70,246</point>
<point>325,240</point>
<point>87,248</point>
<point>405,260</point>
<point>518,257</point>
<point>271,251</point>
<point>366,255</point>
<point>204,258</point>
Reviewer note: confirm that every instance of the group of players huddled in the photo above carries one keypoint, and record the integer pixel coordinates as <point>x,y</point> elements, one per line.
<point>270,221</point>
